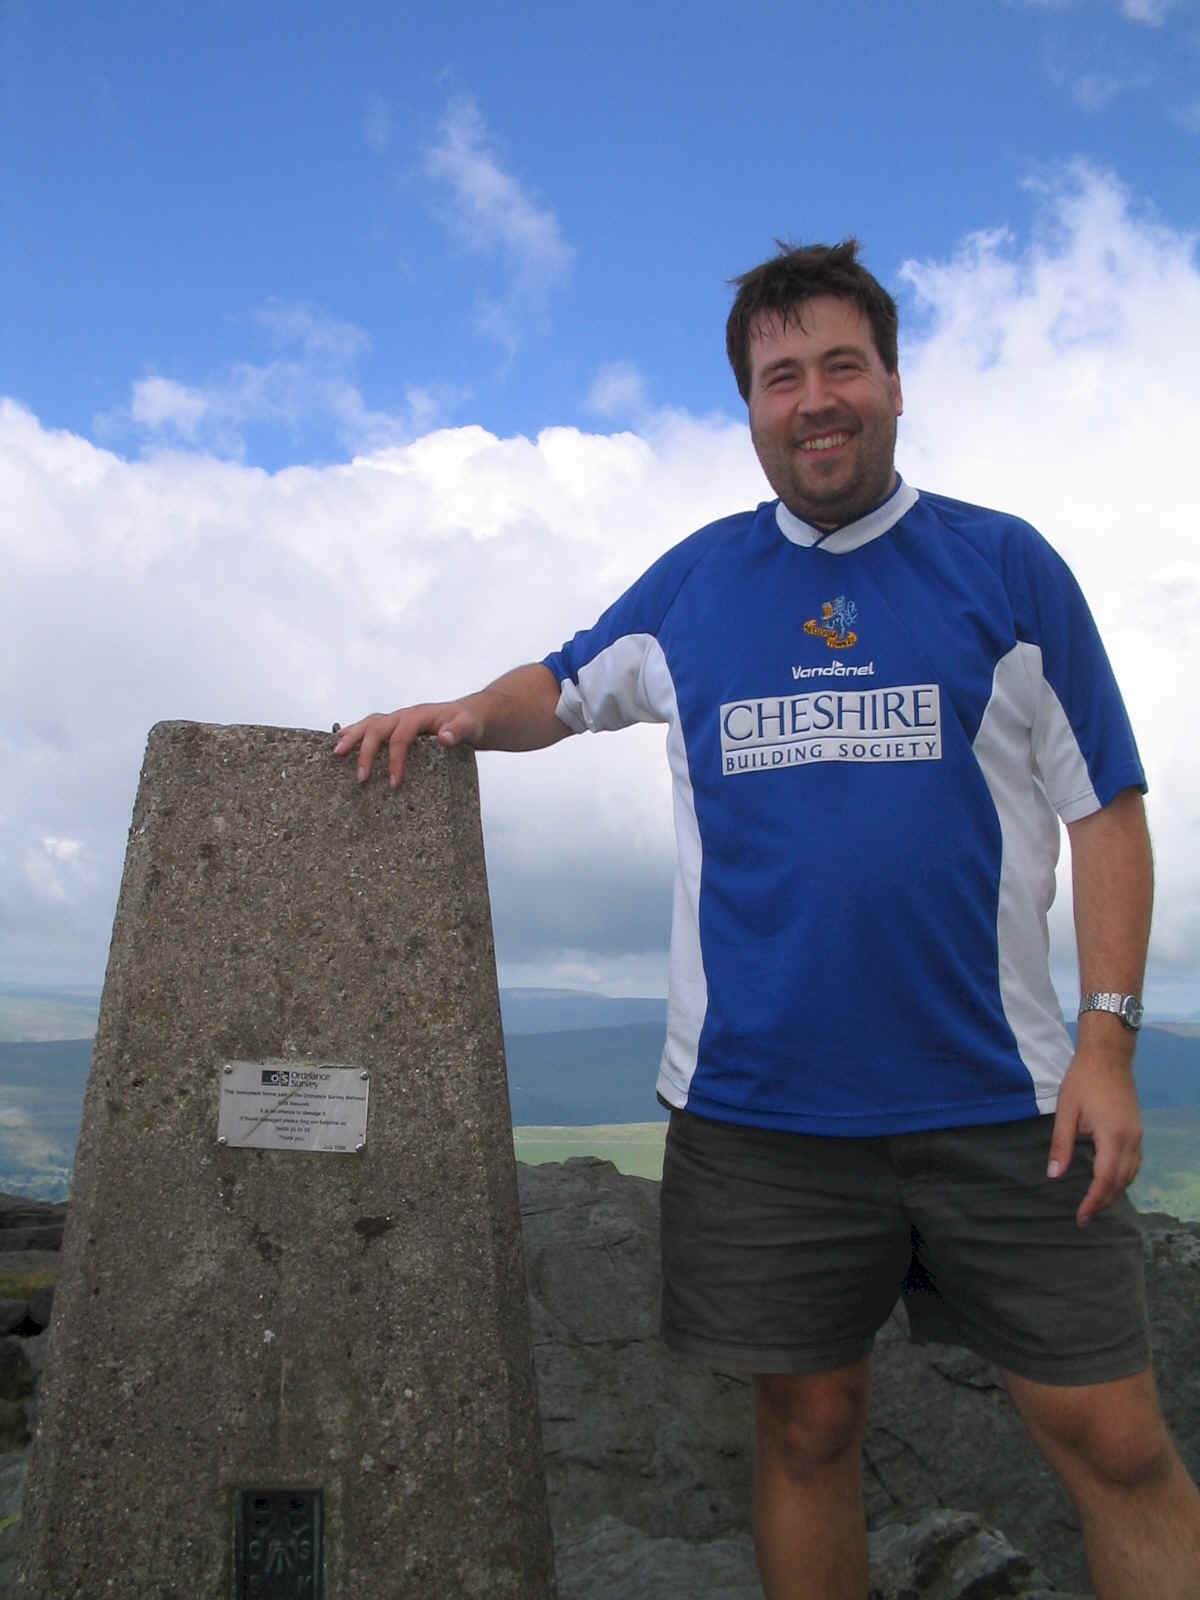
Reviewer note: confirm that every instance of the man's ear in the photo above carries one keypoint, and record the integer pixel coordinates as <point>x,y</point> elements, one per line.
<point>894,380</point>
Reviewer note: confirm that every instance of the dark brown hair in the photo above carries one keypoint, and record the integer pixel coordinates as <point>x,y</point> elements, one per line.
<point>779,287</point>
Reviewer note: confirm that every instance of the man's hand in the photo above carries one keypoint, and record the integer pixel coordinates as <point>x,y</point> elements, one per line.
<point>1098,1097</point>
<point>514,713</point>
<point>1112,882</point>
<point>452,721</point>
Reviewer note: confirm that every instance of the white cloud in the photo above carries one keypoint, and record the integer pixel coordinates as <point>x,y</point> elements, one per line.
<point>1057,376</point>
<point>62,849</point>
<point>312,381</point>
<point>618,390</point>
<point>320,336</point>
<point>161,403</point>
<point>1095,74</point>
<point>490,212</point>
<point>1152,12</point>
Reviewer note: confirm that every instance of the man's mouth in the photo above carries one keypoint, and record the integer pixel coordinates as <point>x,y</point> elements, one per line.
<point>825,441</point>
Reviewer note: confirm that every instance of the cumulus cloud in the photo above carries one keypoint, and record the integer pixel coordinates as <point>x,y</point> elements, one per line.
<point>490,212</point>
<point>1055,374</point>
<point>181,586</point>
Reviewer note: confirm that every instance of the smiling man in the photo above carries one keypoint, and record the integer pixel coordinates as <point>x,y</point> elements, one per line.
<point>880,705</point>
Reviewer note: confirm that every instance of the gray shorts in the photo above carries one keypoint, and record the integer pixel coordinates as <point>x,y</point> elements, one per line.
<point>786,1252</point>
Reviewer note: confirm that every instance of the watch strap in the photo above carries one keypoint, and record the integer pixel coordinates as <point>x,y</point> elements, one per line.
<point>1127,1007</point>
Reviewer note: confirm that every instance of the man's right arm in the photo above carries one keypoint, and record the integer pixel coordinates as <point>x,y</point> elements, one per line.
<point>516,712</point>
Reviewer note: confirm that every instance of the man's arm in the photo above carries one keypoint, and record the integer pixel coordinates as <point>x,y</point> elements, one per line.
<point>516,712</point>
<point>1112,880</point>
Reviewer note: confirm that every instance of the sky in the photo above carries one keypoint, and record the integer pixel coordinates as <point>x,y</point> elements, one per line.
<point>350,355</point>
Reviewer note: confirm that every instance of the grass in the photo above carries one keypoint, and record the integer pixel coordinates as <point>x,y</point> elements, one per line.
<point>635,1148</point>
<point>23,1285</point>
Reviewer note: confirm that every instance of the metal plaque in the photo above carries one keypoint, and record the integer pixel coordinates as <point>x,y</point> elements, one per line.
<point>277,1544</point>
<point>293,1105</point>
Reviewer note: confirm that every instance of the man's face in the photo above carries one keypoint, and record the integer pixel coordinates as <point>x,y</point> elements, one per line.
<point>823,411</point>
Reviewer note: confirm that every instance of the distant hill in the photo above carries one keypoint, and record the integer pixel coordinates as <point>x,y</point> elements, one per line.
<point>43,1014</point>
<point>563,1010</point>
<point>585,1075</point>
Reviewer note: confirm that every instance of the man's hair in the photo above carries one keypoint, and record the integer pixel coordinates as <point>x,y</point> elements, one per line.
<point>779,287</point>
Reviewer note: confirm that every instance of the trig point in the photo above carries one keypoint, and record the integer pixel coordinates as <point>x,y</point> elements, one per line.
<point>290,1356</point>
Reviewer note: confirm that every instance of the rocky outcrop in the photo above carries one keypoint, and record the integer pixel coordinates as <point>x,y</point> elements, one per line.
<point>648,1458</point>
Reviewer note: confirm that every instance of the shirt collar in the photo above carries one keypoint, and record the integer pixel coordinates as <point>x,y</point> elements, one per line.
<point>854,534</point>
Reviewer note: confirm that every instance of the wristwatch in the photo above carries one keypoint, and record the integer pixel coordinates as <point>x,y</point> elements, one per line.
<point>1127,1007</point>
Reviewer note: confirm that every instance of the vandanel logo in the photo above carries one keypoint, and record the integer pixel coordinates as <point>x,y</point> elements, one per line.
<point>836,625</point>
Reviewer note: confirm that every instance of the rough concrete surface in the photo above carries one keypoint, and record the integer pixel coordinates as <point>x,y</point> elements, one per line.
<point>255,1318</point>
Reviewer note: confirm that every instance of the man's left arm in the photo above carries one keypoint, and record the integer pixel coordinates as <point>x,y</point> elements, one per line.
<point>1112,880</point>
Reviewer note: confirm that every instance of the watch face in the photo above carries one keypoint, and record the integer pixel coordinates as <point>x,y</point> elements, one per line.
<point>1131,1012</point>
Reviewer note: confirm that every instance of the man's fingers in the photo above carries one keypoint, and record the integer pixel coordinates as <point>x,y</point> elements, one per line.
<point>453,724</point>
<point>366,736</point>
<point>1062,1142</point>
<point>1117,1165</point>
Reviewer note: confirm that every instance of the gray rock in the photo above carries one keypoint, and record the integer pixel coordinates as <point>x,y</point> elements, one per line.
<point>13,1468</point>
<point>12,1314</point>
<point>16,1374</point>
<point>950,1555</point>
<point>41,1303</point>
<point>609,1560</point>
<point>629,1431</point>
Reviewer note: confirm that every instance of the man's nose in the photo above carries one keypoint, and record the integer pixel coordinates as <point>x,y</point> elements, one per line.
<point>814,394</point>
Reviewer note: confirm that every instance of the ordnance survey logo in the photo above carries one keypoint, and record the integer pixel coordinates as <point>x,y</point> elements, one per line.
<point>903,723</point>
<point>836,624</point>
<point>283,1078</point>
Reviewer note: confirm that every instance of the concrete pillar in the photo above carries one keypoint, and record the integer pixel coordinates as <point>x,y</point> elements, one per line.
<point>281,1366</point>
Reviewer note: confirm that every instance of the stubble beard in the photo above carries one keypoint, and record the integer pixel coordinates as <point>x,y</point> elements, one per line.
<point>841,503</point>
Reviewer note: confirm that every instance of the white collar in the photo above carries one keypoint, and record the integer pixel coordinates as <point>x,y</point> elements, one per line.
<point>855,534</point>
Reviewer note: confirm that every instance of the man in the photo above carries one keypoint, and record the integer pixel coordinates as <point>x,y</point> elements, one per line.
<point>877,702</point>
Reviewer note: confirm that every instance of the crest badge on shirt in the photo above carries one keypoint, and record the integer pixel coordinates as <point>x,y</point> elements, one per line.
<point>836,626</point>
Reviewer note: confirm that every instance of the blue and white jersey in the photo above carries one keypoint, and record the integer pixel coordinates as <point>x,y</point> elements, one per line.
<point>872,736</point>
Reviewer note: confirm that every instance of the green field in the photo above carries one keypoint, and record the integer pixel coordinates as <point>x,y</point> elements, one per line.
<point>635,1148</point>
<point>1169,1180</point>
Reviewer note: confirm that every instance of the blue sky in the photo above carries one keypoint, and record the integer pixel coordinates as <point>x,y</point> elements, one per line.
<point>353,353</point>
<point>184,182</point>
